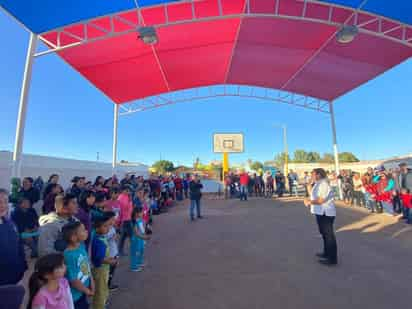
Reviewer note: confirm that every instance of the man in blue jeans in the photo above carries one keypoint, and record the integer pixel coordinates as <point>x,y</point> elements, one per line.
<point>244,182</point>
<point>195,187</point>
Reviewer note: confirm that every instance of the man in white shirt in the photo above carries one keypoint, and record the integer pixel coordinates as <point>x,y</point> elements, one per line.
<point>321,203</point>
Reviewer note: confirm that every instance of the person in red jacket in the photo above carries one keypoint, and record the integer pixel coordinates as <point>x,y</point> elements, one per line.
<point>244,181</point>
<point>406,198</point>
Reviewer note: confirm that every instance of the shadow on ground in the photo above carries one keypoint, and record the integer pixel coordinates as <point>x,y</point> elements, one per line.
<point>260,254</point>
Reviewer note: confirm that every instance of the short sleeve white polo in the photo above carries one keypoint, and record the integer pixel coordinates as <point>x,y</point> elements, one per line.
<point>321,189</point>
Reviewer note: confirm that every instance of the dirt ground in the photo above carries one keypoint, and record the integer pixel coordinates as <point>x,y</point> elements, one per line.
<point>260,254</point>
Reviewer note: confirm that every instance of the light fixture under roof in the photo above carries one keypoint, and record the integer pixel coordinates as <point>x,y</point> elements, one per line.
<point>148,35</point>
<point>347,34</point>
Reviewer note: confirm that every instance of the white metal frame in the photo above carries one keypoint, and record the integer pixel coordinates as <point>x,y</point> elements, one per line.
<point>363,20</point>
<point>216,91</point>
<point>335,143</point>
<point>24,96</point>
<point>115,135</point>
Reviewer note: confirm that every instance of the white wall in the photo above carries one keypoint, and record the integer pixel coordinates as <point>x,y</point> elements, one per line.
<point>212,186</point>
<point>35,166</point>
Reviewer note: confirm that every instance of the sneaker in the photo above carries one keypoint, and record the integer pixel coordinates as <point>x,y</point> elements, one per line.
<point>113,287</point>
<point>137,270</point>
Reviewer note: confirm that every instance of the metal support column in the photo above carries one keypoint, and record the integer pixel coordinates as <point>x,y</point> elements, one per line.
<point>286,151</point>
<point>115,121</point>
<point>335,144</point>
<point>24,95</point>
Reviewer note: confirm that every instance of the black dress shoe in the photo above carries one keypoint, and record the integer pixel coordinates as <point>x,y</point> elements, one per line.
<point>113,287</point>
<point>321,255</point>
<point>327,262</point>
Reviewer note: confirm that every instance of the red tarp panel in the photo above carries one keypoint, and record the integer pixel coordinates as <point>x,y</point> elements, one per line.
<point>266,56</point>
<point>282,53</point>
<point>339,68</point>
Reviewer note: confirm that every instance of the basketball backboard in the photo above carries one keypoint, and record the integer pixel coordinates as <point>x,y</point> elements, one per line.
<point>228,142</point>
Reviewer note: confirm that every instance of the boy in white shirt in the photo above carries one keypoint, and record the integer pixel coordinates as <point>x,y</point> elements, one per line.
<point>113,247</point>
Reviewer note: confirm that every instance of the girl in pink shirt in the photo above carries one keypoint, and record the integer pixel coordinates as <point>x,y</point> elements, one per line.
<point>125,215</point>
<point>113,204</point>
<point>48,287</point>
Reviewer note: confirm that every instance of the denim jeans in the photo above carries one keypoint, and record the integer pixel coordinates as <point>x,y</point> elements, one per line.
<point>136,252</point>
<point>293,190</point>
<point>369,202</point>
<point>194,204</point>
<point>387,207</point>
<point>397,205</point>
<point>358,198</point>
<point>81,303</point>
<point>243,192</point>
<point>407,213</point>
<point>335,193</point>
<point>126,232</point>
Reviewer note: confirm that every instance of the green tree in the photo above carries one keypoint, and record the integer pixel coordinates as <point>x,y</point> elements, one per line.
<point>348,157</point>
<point>280,160</point>
<point>196,164</point>
<point>163,166</point>
<point>300,156</point>
<point>313,156</point>
<point>328,158</point>
<point>256,166</point>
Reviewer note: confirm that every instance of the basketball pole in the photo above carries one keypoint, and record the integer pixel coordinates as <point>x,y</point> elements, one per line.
<point>225,164</point>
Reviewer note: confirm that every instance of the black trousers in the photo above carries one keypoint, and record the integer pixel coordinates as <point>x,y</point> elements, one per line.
<point>330,249</point>
<point>397,206</point>
<point>111,274</point>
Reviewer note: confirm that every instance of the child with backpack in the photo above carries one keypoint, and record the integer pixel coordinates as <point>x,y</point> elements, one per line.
<point>48,287</point>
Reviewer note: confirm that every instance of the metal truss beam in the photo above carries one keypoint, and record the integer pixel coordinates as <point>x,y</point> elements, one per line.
<point>217,91</point>
<point>367,23</point>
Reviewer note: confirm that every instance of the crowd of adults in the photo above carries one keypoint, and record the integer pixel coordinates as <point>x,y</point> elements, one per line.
<point>76,236</point>
<point>378,189</point>
<point>243,184</point>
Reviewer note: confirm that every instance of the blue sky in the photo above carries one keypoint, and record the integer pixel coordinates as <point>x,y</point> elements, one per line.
<point>68,117</point>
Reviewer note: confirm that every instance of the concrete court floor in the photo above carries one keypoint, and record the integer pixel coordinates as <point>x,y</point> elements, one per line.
<point>260,254</point>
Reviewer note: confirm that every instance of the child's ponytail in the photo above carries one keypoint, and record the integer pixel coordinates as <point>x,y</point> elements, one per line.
<point>35,284</point>
<point>44,265</point>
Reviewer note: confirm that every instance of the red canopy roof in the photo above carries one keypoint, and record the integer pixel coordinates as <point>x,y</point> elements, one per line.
<point>291,47</point>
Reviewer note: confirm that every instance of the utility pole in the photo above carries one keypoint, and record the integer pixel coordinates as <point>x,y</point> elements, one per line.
<point>285,145</point>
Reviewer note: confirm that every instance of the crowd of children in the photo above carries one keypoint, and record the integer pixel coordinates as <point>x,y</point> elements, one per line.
<point>82,233</point>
